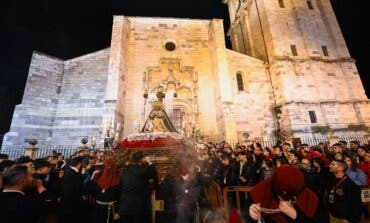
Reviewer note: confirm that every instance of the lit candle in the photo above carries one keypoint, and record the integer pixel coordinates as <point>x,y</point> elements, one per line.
<point>109,125</point>
<point>118,127</point>
<point>116,137</point>
<point>93,141</point>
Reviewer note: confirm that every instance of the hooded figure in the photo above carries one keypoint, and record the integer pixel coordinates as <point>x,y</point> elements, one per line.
<point>135,206</point>
<point>106,192</point>
<point>283,197</point>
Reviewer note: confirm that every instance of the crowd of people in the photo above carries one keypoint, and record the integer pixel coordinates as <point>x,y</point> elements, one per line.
<point>290,184</point>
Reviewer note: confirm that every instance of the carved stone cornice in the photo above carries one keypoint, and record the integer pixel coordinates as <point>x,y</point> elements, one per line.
<point>317,59</point>
<point>324,102</point>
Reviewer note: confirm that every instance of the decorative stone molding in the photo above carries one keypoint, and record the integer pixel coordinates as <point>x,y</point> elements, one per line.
<point>318,59</point>
<point>324,102</point>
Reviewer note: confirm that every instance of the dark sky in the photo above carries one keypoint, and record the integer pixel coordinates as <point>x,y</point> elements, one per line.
<point>71,28</point>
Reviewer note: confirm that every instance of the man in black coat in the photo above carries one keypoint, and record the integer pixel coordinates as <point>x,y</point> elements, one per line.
<point>244,171</point>
<point>15,205</point>
<point>135,204</point>
<point>73,204</point>
<point>344,196</point>
<point>223,172</point>
<point>188,189</point>
<point>42,170</point>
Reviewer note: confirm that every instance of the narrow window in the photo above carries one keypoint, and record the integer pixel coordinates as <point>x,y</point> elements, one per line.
<point>59,89</point>
<point>293,48</point>
<point>239,81</point>
<point>312,116</point>
<point>325,50</point>
<point>309,4</point>
<point>281,3</point>
<point>178,118</point>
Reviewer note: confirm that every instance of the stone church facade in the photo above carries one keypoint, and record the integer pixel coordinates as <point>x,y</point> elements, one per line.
<point>289,60</point>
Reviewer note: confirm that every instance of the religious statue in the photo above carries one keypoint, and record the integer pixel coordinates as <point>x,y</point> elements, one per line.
<point>158,120</point>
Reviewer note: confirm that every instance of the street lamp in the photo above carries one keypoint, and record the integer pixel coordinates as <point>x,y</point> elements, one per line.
<point>31,151</point>
<point>110,136</point>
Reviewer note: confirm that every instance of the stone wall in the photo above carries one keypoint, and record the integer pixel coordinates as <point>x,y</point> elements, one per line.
<point>330,88</point>
<point>252,107</point>
<point>115,98</point>
<point>296,24</point>
<point>63,100</point>
<point>34,117</point>
<point>82,95</point>
<point>147,55</point>
<point>327,84</point>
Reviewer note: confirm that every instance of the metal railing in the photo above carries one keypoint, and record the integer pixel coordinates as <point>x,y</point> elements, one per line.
<point>18,151</point>
<point>15,152</point>
<point>316,140</point>
<point>310,141</point>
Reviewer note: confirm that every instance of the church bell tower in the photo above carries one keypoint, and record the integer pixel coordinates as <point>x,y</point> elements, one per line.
<point>314,78</point>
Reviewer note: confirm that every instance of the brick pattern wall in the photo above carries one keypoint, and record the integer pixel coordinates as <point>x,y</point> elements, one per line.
<point>63,100</point>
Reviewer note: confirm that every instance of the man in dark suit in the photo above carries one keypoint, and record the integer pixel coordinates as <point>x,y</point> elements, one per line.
<point>42,170</point>
<point>15,205</point>
<point>135,197</point>
<point>244,172</point>
<point>73,202</point>
<point>223,172</point>
<point>188,189</point>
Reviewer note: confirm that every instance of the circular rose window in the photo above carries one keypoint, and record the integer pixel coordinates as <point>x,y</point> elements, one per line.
<point>170,46</point>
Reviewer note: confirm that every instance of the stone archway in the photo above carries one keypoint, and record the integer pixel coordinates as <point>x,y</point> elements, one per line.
<point>179,83</point>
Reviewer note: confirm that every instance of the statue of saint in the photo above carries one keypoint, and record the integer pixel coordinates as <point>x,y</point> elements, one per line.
<point>158,120</point>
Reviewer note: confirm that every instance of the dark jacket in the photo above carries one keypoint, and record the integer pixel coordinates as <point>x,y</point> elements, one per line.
<point>187,195</point>
<point>72,190</point>
<point>111,194</point>
<point>249,172</point>
<point>16,207</point>
<point>73,207</point>
<point>223,175</point>
<point>135,195</point>
<point>346,200</point>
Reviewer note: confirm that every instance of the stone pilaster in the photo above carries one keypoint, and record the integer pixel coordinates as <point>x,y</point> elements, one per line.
<point>221,73</point>
<point>118,59</point>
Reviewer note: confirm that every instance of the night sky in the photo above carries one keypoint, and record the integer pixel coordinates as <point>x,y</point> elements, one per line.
<point>67,29</point>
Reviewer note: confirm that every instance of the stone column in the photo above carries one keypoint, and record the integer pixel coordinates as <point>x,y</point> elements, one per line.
<point>117,71</point>
<point>223,89</point>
